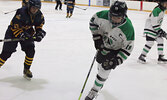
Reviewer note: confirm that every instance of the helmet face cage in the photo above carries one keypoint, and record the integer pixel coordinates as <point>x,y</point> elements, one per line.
<point>118,9</point>
<point>35,3</point>
<point>161,3</point>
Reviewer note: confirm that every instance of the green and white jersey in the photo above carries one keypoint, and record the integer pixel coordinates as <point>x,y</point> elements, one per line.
<point>154,22</point>
<point>114,38</point>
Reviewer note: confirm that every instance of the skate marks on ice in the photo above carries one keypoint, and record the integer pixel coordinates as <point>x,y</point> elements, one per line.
<point>23,84</point>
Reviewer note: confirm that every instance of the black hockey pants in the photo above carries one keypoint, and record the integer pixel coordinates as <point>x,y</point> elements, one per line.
<point>9,48</point>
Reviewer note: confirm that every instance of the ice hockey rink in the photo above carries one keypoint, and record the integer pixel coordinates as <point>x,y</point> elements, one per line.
<point>64,56</point>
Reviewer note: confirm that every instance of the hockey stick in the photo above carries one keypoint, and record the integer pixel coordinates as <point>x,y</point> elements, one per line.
<point>80,8</point>
<point>11,40</point>
<point>10,11</point>
<point>15,39</point>
<point>87,76</point>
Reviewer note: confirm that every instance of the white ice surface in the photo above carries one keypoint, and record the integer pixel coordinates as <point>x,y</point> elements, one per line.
<point>63,58</point>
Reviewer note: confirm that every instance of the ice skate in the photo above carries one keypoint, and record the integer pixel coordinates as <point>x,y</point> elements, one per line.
<point>92,94</point>
<point>67,15</point>
<point>162,60</point>
<point>70,15</point>
<point>27,74</point>
<point>141,59</point>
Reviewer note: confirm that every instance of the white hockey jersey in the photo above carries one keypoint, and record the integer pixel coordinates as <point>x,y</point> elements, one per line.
<point>154,22</point>
<point>114,38</point>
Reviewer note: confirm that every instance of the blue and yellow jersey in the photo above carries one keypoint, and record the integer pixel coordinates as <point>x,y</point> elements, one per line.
<point>24,3</point>
<point>70,3</point>
<point>23,21</point>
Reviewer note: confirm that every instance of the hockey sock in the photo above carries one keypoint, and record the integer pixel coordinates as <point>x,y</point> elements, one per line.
<point>1,62</point>
<point>100,78</point>
<point>27,62</point>
<point>147,47</point>
<point>160,46</point>
<point>70,15</point>
<point>67,15</point>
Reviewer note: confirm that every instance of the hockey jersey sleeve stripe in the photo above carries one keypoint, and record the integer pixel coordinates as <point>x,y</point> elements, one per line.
<point>91,24</point>
<point>39,27</point>
<point>124,51</point>
<point>122,55</point>
<point>119,61</point>
<point>18,33</point>
<point>92,29</point>
<point>96,36</point>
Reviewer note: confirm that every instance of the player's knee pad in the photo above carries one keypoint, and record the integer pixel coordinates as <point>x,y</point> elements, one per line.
<point>5,55</point>
<point>30,52</point>
<point>102,72</point>
<point>100,58</point>
<point>160,40</point>
<point>150,43</point>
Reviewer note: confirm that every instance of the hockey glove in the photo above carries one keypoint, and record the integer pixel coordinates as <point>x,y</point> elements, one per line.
<point>102,56</point>
<point>98,44</point>
<point>25,36</point>
<point>161,33</point>
<point>65,2</point>
<point>110,64</point>
<point>39,36</point>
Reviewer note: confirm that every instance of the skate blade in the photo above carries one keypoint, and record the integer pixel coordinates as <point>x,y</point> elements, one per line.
<point>27,77</point>
<point>142,62</point>
<point>161,62</point>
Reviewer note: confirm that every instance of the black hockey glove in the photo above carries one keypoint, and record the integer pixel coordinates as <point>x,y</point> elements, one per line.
<point>102,56</point>
<point>99,44</point>
<point>65,2</point>
<point>25,36</point>
<point>161,33</point>
<point>39,36</point>
<point>110,64</point>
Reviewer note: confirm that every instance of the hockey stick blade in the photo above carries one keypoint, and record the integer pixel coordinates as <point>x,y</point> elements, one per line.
<point>80,8</point>
<point>27,78</point>
<point>10,11</point>
<point>85,9</point>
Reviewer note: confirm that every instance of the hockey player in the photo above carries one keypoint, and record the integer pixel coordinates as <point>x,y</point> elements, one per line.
<point>154,32</point>
<point>24,3</point>
<point>26,24</point>
<point>70,7</point>
<point>58,4</point>
<point>113,36</point>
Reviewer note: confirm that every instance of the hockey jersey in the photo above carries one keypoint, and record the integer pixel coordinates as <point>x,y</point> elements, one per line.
<point>24,22</point>
<point>120,38</point>
<point>154,22</point>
